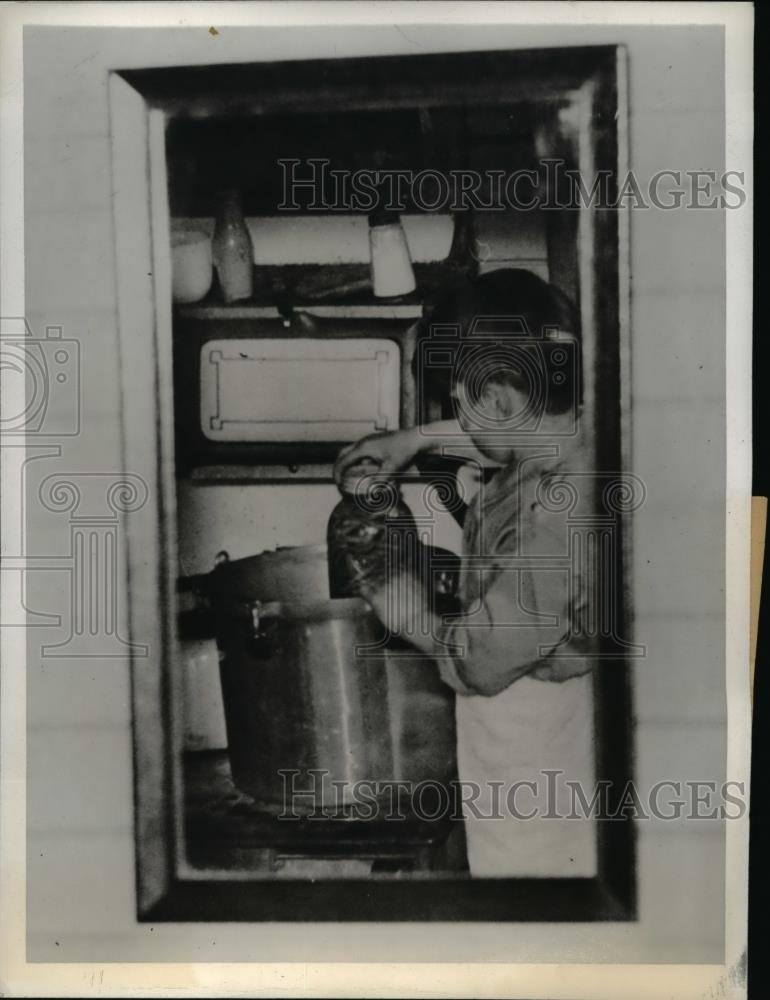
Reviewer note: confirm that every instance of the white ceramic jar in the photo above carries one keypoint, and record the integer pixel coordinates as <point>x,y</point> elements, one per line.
<point>191,265</point>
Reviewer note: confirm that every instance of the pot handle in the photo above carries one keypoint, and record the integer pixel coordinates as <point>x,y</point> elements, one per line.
<point>261,614</point>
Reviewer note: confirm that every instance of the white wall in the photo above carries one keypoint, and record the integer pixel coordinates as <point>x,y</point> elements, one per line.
<point>81,904</point>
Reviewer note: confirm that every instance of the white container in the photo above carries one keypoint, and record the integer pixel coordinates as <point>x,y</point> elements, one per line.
<point>392,272</point>
<point>232,249</point>
<point>334,239</point>
<point>203,710</point>
<point>191,265</point>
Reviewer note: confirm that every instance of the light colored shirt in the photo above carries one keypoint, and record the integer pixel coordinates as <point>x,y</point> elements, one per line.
<point>521,587</point>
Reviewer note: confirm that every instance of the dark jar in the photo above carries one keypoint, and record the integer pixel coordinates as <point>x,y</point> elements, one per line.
<point>372,535</point>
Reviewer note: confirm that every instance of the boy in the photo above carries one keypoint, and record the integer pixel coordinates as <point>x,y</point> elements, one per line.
<point>518,657</point>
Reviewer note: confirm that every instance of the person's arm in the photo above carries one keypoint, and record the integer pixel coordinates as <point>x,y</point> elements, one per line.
<point>521,619</point>
<point>396,450</point>
<point>446,437</point>
<point>522,626</point>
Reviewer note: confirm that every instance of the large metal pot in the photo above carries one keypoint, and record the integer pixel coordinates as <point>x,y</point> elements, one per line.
<point>292,573</point>
<point>314,694</point>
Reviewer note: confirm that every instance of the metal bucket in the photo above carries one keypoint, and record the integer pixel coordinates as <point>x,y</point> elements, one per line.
<point>314,695</point>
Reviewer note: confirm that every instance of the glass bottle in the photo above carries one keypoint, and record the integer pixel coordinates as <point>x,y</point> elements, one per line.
<point>371,534</point>
<point>232,249</point>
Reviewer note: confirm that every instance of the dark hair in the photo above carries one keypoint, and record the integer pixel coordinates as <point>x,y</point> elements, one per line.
<point>493,317</point>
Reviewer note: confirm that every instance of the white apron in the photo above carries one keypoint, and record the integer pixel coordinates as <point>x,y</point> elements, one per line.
<point>529,728</point>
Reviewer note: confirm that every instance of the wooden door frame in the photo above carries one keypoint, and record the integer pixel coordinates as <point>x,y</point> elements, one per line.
<point>139,102</point>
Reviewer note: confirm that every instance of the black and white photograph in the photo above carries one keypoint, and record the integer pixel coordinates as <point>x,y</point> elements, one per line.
<point>376,490</point>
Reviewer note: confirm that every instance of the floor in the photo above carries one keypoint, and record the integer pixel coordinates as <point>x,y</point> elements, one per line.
<point>226,830</point>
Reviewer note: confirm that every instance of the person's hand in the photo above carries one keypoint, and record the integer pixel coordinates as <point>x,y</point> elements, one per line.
<point>390,452</point>
<point>557,671</point>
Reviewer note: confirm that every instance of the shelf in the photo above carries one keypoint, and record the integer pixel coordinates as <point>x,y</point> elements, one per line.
<point>301,473</point>
<point>373,310</point>
<point>335,290</point>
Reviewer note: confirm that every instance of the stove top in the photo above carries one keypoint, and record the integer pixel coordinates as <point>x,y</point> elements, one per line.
<point>227,829</point>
